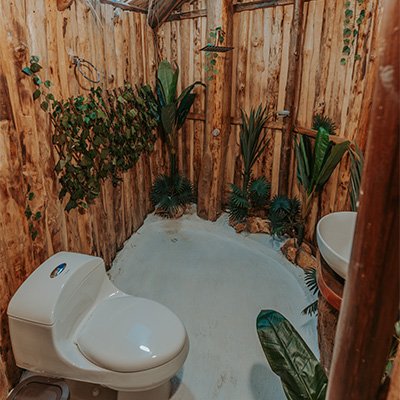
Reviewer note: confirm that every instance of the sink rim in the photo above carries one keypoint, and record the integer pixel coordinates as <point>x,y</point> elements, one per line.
<point>327,246</point>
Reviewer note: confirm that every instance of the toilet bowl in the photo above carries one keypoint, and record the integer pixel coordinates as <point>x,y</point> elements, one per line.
<point>67,320</point>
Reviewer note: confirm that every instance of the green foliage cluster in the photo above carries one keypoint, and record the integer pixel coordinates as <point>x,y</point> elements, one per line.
<point>98,136</point>
<point>285,217</point>
<point>302,376</point>
<point>254,194</point>
<point>215,37</point>
<point>316,165</point>
<point>310,279</point>
<point>170,192</point>
<point>351,27</point>
<point>32,216</point>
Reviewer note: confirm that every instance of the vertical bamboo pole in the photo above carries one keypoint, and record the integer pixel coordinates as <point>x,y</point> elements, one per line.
<point>217,129</point>
<point>371,297</point>
<point>291,98</point>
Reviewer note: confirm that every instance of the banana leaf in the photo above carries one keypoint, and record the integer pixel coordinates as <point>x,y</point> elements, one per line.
<point>301,374</point>
<point>168,114</point>
<point>184,108</point>
<point>320,152</point>
<point>331,163</point>
<point>304,160</point>
<point>168,78</point>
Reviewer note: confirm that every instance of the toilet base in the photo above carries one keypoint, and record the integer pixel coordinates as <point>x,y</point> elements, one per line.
<point>160,393</point>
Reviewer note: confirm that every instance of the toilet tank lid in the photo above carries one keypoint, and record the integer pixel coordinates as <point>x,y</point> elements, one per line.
<point>54,281</point>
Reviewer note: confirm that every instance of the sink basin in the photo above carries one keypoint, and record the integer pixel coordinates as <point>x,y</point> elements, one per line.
<point>335,238</point>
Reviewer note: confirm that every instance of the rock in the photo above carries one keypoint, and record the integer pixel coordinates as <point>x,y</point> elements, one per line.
<point>257,225</point>
<point>300,256</point>
<point>305,260</point>
<point>289,251</point>
<point>239,227</point>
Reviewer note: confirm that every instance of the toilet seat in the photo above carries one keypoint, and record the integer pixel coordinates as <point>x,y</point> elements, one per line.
<point>130,334</point>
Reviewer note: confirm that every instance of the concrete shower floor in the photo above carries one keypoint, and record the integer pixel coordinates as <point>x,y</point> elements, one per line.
<point>217,282</point>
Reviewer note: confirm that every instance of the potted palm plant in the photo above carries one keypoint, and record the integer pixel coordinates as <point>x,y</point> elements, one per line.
<point>171,193</point>
<point>254,193</point>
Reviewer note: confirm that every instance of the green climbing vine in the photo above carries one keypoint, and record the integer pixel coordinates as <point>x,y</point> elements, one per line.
<point>98,136</point>
<point>32,216</point>
<point>216,37</point>
<point>351,28</point>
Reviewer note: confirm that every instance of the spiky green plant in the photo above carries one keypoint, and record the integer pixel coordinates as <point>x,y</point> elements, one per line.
<point>310,279</point>
<point>242,202</point>
<point>322,121</point>
<point>285,217</point>
<point>253,141</point>
<point>168,192</point>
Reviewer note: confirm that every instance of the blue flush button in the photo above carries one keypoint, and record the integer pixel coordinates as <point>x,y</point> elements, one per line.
<point>58,270</point>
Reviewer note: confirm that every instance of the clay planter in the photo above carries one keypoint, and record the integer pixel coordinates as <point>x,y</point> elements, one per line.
<point>331,288</point>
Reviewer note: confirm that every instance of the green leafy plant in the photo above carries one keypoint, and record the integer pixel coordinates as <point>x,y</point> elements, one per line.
<point>351,27</point>
<point>322,121</point>
<point>170,192</point>
<point>216,36</point>
<point>315,166</point>
<point>310,279</point>
<point>254,194</point>
<point>285,217</point>
<point>32,216</point>
<point>301,374</point>
<point>356,168</point>
<point>98,136</point>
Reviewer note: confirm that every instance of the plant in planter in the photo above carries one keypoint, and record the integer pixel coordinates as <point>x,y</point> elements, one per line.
<point>254,194</point>
<point>98,136</point>
<point>285,217</point>
<point>301,374</point>
<point>171,193</point>
<point>315,166</point>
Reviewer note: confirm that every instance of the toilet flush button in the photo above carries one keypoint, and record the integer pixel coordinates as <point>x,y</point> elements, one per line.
<point>58,270</point>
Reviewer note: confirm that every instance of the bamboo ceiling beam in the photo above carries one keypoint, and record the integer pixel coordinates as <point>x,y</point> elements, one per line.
<point>371,297</point>
<point>256,5</point>
<point>218,117</point>
<point>124,6</point>
<point>160,10</point>
<point>291,98</point>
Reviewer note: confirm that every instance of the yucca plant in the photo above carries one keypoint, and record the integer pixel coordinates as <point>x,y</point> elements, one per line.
<point>301,374</point>
<point>169,192</point>
<point>285,217</point>
<point>322,121</point>
<point>310,279</point>
<point>254,193</point>
<point>315,166</point>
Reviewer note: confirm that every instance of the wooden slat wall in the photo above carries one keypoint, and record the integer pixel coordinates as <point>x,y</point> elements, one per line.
<point>122,47</point>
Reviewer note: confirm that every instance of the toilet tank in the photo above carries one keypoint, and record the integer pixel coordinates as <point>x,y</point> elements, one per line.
<point>55,288</point>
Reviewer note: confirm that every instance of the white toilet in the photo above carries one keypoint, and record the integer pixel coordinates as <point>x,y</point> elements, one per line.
<point>68,320</point>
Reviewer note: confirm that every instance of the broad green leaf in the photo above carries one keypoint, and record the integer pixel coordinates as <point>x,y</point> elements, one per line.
<point>168,77</point>
<point>36,94</point>
<point>184,108</point>
<point>168,115</point>
<point>333,160</point>
<point>320,151</point>
<point>290,358</point>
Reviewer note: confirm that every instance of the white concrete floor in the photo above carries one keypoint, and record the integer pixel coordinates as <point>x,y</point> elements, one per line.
<point>217,282</point>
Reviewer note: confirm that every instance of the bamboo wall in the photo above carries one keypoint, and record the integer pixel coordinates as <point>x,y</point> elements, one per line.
<point>119,47</point>
<point>122,47</point>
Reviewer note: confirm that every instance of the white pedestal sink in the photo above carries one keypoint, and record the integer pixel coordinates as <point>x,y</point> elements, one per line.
<point>335,239</point>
